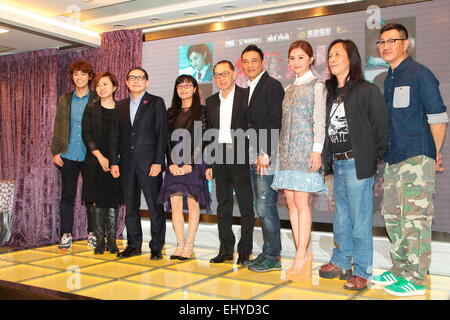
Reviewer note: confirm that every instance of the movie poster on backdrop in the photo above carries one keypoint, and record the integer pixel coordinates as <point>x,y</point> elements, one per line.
<point>197,60</point>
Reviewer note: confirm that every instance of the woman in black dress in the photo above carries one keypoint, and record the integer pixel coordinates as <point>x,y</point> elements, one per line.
<point>186,174</point>
<point>99,187</point>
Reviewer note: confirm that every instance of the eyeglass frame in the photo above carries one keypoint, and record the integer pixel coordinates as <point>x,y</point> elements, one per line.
<point>218,75</point>
<point>379,43</point>
<point>184,86</point>
<point>138,78</point>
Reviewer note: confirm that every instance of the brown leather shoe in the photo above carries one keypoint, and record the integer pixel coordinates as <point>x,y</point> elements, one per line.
<point>330,271</point>
<point>356,283</point>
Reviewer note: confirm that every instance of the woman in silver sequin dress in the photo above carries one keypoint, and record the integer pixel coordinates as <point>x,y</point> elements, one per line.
<point>301,142</point>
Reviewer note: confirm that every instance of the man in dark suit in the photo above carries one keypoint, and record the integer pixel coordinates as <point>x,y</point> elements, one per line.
<point>227,111</point>
<point>264,112</point>
<point>138,144</point>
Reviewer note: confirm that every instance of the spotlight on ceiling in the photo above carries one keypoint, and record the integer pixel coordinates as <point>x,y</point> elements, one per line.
<point>229,7</point>
<point>154,19</point>
<point>190,14</point>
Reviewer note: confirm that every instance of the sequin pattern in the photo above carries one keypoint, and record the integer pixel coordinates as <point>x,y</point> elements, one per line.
<point>296,136</point>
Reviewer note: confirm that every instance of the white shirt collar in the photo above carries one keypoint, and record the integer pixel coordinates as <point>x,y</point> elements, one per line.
<point>254,82</point>
<point>304,78</point>
<point>230,94</point>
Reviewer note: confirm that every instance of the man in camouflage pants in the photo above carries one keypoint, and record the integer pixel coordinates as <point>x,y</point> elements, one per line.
<point>417,127</point>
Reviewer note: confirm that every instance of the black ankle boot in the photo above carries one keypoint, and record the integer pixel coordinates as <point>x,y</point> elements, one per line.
<point>98,221</point>
<point>111,230</point>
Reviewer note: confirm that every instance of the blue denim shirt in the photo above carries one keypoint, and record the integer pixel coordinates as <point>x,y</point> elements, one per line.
<point>134,105</point>
<point>412,96</point>
<point>76,150</point>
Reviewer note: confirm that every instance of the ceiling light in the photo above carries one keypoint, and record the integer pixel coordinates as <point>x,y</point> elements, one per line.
<point>190,14</point>
<point>139,14</point>
<point>229,7</point>
<point>3,30</point>
<point>29,17</point>
<point>246,15</point>
<point>154,19</point>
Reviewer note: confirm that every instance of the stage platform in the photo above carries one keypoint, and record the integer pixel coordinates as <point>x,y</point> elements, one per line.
<point>49,273</point>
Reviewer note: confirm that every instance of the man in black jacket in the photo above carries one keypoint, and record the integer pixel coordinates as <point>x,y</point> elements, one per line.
<point>265,108</point>
<point>138,144</point>
<point>227,111</point>
<point>355,142</point>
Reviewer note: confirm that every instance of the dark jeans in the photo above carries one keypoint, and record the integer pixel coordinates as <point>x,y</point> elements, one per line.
<point>266,208</point>
<point>134,180</point>
<point>237,177</point>
<point>69,179</point>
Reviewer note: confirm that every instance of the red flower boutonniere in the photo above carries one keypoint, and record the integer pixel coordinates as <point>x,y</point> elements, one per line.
<point>145,101</point>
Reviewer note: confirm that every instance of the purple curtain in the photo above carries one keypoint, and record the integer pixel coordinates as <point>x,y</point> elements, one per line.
<point>30,85</point>
<point>121,51</point>
<point>28,93</point>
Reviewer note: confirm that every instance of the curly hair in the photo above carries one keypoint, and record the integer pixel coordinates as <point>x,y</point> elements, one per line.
<point>83,66</point>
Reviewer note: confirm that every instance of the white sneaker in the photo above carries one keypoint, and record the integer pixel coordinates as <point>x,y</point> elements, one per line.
<point>66,241</point>
<point>91,240</point>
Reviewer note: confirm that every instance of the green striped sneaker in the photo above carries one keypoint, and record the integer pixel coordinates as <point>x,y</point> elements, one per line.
<point>404,288</point>
<point>385,279</point>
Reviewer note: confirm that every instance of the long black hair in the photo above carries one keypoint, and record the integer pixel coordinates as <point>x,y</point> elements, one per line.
<point>196,107</point>
<point>355,73</point>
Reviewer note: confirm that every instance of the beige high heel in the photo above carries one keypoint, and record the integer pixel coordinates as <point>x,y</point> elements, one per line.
<point>188,251</point>
<point>178,250</point>
<point>304,273</point>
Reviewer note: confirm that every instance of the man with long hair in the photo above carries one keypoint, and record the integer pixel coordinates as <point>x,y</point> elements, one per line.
<point>356,132</point>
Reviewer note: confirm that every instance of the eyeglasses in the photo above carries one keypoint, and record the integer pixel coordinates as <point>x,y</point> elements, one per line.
<point>136,78</point>
<point>221,74</point>
<point>389,42</point>
<point>185,86</point>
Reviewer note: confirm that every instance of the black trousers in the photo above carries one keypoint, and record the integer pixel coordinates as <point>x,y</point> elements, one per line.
<point>70,172</point>
<point>237,177</point>
<point>134,180</point>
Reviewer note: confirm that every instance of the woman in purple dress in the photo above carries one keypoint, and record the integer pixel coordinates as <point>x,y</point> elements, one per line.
<point>186,174</point>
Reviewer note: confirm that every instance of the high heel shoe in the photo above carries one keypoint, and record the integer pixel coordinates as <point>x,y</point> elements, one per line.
<point>180,246</point>
<point>188,251</point>
<point>304,272</point>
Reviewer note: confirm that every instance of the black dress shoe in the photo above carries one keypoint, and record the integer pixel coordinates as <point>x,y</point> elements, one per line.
<point>242,258</point>
<point>156,255</point>
<point>129,252</point>
<point>221,257</point>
